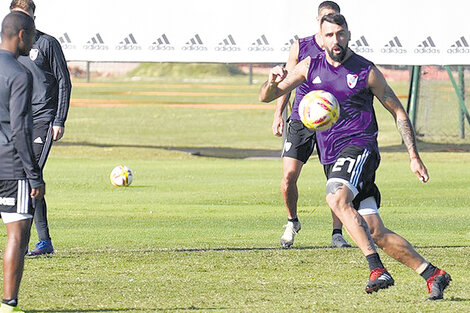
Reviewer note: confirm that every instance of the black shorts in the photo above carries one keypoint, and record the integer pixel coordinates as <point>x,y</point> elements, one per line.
<point>14,196</point>
<point>42,141</point>
<point>300,141</point>
<point>355,167</point>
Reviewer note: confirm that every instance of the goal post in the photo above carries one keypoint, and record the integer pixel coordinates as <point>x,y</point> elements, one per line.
<point>437,103</point>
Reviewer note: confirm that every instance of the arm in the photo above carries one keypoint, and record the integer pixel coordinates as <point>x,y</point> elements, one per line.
<point>389,100</point>
<point>61,73</point>
<point>21,125</point>
<point>284,99</point>
<point>281,82</point>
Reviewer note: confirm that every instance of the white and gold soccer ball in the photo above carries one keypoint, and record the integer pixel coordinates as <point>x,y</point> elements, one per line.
<point>319,110</point>
<point>121,176</point>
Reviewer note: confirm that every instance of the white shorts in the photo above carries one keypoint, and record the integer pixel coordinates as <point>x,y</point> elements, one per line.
<point>368,206</point>
<point>14,217</point>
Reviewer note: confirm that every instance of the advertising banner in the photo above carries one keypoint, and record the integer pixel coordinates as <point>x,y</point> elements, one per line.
<point>241,31</point>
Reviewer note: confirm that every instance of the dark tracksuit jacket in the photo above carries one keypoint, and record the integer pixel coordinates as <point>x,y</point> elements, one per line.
<point>51,80</point>
<point>16,151</point>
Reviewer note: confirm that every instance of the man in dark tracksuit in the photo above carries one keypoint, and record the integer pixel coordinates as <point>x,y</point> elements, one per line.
<point>20,176</point>
<point>50,100</point>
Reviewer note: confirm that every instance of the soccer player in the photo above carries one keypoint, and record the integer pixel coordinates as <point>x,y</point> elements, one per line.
<point>349,150</point>
<point>20,175</point>
<point>300,141</point>
<point>51,97</point>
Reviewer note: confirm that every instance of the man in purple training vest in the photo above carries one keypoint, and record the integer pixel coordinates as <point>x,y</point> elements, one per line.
<point>349,150</point>
<point>300,141</point>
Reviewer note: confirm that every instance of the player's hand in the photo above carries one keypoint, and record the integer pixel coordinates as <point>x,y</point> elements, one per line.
<point>417,167</point>
<point>278,126</point>
<point>277,75</point>
<point>57,132</point>
<point>38,193</point>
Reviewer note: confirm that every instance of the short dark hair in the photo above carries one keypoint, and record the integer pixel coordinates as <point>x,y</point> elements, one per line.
<point>334,18</point>
<point>16,21</point>
<point>329,5</point>
<point>25,5</point>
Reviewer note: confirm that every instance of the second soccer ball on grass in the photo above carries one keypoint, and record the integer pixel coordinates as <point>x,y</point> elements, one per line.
<point>121,176</point>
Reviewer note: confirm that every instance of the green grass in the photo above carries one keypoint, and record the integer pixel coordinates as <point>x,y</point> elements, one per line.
<point>201,233</point>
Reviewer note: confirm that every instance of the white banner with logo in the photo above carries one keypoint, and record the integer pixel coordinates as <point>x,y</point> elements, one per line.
<point>246,31</point>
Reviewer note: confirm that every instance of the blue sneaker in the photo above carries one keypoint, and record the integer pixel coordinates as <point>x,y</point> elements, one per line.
<point>42,247</point>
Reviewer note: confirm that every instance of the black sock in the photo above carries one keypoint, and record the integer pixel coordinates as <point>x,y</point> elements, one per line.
<point>294,220</point>
<point>337,231</point>
<point>428,272</point>
<point>374,261</point>
<point>12,302</point>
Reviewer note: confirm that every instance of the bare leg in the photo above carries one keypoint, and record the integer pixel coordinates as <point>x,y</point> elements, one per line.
<point>336,221</point>
<point>13,258</point>
<point>291,173</point>
<point>393,244</point>
<point>340,202</point>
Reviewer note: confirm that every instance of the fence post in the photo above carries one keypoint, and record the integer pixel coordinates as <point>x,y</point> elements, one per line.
<point>461,111</point>
<point>413,94</point>
<point>87,71</point>
<point>460,94</point>
<point>251,74</point>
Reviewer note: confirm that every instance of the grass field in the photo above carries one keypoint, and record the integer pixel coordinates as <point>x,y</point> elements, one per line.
<point>199,231</point>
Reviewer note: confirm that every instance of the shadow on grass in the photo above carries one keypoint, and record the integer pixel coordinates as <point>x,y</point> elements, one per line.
<point>72,253</point>
<point>224,153</point>
<point>234,153</point>
<point>191,308</point>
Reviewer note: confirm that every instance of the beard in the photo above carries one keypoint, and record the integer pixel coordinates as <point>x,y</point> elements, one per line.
<point>338,57</point>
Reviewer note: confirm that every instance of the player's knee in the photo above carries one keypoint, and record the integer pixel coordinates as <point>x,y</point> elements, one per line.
<point>332,198</point>
<point>336,203</point>
<point>289,180</point>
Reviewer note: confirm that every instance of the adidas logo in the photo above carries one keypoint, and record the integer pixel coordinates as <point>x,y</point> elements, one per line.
<point>460,46</point>
<point>393,46</point>
<point>161,43</point>
<point>129,43</point>
<point>228,44</point>
<point>427,46</point>
<point>95,43</point>
<point>361,46</point>
<point>317,80</point>
<point>261,44</point>
<point>65,42</point>
<point>289,43</point>
<point>195,44</point>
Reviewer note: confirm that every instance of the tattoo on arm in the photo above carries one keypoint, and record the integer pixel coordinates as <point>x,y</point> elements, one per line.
<point>407,133</point>
<point>388,94</point>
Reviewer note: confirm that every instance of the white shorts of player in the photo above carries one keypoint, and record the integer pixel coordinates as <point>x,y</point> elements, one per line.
<point>14,217</point>
<point>367,206</point>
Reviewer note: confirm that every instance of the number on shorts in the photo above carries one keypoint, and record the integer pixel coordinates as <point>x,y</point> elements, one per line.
<point>340,163</point>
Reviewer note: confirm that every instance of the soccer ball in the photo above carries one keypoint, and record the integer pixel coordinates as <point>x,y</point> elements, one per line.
<point>319,110</point>
<point>121,176</point>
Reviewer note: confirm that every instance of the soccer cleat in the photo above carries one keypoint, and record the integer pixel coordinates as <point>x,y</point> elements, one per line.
<point>5,308</point>
<point>42,247</point>
<point>292,228</point>
<point>338,241</point>
<point>379,278</point>
<point>437,283</point>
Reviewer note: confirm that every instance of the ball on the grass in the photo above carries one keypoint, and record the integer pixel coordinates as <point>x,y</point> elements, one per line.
<point>121,176</point>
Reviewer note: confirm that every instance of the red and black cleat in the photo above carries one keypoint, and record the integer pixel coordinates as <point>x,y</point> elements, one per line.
<point>379,278</point>
<point>437,283</point>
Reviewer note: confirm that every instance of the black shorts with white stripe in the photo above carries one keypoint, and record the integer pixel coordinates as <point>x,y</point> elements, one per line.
<point>14,196</point>
<point>355,168</point>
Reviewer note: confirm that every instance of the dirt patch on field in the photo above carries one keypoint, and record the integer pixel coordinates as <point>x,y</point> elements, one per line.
<point>167,86</point>
<point>103,103</point>
<point>224,106</point>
